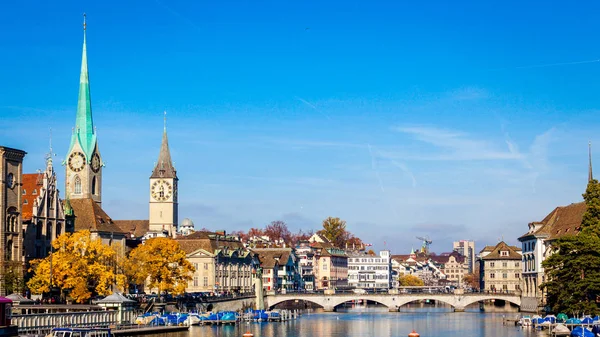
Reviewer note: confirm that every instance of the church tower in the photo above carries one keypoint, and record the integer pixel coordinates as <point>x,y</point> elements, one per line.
<point>83,161</point>
<point>163,191</point>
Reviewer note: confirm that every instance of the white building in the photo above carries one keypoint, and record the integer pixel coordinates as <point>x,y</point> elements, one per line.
<point>467,249</point>
<point>306,261</point>
<point>370,271</point>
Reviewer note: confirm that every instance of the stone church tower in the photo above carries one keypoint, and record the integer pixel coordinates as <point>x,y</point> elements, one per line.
<point>83,162</point>
<point>163,192</point>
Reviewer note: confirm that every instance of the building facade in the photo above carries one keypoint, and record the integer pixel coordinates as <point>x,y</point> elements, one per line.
<point>454,265</point>
<point>501,268</point>
<point>466,248</point>
<point>222,263</point>
<point>280,269</point>
<point>11,234</point>
<point>43,214</point>
<point>306,261</point>
<point>330,267</point>
<point>370,271</point>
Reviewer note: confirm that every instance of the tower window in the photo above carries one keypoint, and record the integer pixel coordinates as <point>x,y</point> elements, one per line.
<point>94,192</point>
<point>77,185</point>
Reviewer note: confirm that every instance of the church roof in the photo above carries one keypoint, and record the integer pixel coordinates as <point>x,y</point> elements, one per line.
<point>90,216</point>
<point>137,228</point>
<point>84,133</point>
<point>164,166</point>
<point>31,182</point>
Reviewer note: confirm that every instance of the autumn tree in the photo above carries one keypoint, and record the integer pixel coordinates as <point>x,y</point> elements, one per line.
<point>278,230</point>
<point>410,281</point>
<point>301,236</point>
<point>12,277</point>
<point>161,264</point>
<point>79,265</point>
<point>573,271</point>
<point>472,279</point>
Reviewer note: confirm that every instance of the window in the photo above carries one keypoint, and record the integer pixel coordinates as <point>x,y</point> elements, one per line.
<point>58,229</point>
<point>24,192</point>
<point>517,275</point>
<point>94,192</point>
<point>492,264</point>
<point>195,281</point>
<point>504,264</point>
<point>505,275</point>
<point>505,287</point>
<point>25,202</point>
<point>504,253</point>
<point>206,281</point>
<point>34,192</point>
<point>206,266</point>
<point>492,275</point>
<point>517,264</point>
<point>324,266</point>
<point>77,185</point>
<point>195,266</point>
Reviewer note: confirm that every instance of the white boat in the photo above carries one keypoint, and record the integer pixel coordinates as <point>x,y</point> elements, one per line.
<point>525,321</point>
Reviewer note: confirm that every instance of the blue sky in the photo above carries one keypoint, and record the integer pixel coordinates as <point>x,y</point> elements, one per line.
<point>458,121</point>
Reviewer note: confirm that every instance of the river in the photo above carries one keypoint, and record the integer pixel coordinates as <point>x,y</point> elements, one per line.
<point>428,321</point>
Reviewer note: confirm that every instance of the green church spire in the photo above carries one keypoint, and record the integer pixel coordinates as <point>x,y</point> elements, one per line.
<point>83,132</point>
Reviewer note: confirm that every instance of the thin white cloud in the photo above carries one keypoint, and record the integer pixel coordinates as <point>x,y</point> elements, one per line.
<point>455,145</point>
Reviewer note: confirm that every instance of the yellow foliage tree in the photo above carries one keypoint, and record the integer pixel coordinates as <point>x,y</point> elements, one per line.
<point>161,263</point>
<point>410,281</point>
<point>78,264</point>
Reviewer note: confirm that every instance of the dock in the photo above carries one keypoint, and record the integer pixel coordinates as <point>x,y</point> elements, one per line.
<point>148,330</point>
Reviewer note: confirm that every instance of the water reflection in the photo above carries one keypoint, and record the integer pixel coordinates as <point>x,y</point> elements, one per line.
<point>376,321</point>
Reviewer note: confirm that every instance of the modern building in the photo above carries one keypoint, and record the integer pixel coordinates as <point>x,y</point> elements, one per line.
<point>11,196</point>
<point>466,248</point>
<point>222,263</point>
<point>370,271</point>
<point>501,268</point>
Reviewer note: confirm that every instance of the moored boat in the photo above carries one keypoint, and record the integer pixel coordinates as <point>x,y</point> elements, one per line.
<point>80,332</point>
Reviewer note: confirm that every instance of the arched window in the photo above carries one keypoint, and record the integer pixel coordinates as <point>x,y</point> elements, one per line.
<point>94,192</point>
<point>58,229</point>
<point>38,230</point>
<point>77,185</point>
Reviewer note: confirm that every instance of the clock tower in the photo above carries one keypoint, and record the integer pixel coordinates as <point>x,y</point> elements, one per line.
<point>83,162</point>
<point>163,192</point>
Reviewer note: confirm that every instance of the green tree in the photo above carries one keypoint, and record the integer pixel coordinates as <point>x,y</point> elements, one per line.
<point>12,277</point>
<point>161,264</point>
<point>334,229</point>
<point>573,271</point>
<point>410,281</point>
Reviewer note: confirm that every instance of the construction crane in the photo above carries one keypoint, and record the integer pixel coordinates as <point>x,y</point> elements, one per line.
<point>426,243</point>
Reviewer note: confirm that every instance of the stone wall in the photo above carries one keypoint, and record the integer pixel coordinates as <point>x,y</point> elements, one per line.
<point>234,305</point>
<point>529,304</point>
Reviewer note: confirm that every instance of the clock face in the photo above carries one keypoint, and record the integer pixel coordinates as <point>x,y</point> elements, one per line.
<point>95,163</point>
<point>76,161</point>
<point>161,190</point>
<point>10,180</point>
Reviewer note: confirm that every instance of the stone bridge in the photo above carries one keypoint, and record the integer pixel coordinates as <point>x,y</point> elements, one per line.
<point>393,301</point>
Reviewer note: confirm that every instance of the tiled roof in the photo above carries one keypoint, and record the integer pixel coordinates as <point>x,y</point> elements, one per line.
<point>268,257</point>
<point>563,220</point>
<point>445,257</point>
<point>31,182</point>
<point>137,228</point>
<point>207,241</point>
<point>513,252</point>
<point>90,216</point>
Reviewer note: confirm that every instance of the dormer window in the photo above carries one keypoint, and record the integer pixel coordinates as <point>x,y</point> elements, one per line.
<point>34,192</point>
<point>25,202</point>
<point>504,253</point>
<point>24,192</point>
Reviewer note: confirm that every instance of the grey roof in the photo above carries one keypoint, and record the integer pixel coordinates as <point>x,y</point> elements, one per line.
<point>19,299</point>
<point>115,298</point>
<point>164,166</point>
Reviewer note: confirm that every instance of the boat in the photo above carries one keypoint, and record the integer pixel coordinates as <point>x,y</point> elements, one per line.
<point>561,330</point>
<point>525,321</point>
<point>80,332</point>
<point>582,332</point>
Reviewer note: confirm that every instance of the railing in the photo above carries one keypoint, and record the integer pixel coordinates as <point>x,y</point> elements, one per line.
<point>43,323</point>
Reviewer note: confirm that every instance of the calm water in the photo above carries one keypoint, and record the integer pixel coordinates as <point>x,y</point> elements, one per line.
<point>376,321</point>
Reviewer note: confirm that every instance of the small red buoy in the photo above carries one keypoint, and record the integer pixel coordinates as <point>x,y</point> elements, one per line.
<point>248,334</point>
<point>414,334</point>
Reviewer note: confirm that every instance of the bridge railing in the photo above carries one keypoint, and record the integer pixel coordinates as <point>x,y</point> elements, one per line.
<point>402,291</point>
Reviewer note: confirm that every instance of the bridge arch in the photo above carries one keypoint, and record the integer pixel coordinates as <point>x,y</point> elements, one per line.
<point>467,300</point>
<point>402,301</point>
<point>273,302</point>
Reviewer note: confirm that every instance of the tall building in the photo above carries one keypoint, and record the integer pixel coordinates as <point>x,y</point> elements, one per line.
<point>83,166</point>
<point>163,192</point>
<point>370,271</point>
<point>83,162</point>
<point>11,235</point>
<point>466,248</point>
